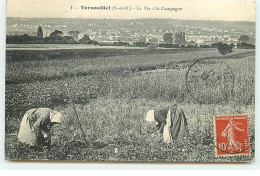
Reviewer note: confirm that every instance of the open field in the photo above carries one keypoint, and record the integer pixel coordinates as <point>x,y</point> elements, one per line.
<point>49,65</point>
<point>112,94</point>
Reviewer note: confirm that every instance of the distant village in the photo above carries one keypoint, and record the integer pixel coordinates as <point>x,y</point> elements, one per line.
<point>189,36</point>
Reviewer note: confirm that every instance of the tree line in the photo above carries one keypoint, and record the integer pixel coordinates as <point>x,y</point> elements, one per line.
<point>56,37</point>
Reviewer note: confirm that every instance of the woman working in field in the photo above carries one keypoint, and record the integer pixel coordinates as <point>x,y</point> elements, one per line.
<point>171,121</point>
<point>36,125</point>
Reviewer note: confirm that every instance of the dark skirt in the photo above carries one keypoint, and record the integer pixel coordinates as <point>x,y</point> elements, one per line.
<point>176,126</point>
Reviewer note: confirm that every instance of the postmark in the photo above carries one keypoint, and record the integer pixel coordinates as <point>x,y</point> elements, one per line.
<point>210,80</point>
<point>231,135</point>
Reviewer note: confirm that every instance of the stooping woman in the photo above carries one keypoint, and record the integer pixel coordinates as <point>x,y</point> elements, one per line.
<point>36,125</point>
<point>171,121</point>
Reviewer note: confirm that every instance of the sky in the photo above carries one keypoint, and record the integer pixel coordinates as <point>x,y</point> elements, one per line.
<point>228,10</point>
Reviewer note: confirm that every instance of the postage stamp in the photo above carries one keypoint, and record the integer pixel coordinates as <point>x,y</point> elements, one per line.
<point>231,135</point>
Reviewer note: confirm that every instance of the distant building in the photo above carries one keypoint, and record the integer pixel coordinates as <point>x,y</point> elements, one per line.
<point>39,32</point>
<point>180,38</point>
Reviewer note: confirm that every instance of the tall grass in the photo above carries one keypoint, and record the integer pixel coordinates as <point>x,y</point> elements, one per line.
<point>116,130</point>
<point>112,107</point>
<point>154,85</point>
<point>24,71</point>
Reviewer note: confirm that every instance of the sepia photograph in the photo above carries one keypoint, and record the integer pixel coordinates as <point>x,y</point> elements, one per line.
<point>130,81</point>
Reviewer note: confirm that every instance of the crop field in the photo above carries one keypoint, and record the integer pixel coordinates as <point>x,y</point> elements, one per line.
<point>112,93</point>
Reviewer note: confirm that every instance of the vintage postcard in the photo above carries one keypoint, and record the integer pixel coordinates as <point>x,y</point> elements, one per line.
<point>139,80</point>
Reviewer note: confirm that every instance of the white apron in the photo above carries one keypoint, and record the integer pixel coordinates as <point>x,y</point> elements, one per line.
<point>167,137</point>
<point>26,134</point>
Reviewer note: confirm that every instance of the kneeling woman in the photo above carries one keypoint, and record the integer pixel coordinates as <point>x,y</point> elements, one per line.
<point>36,125</point>
<point>171,121</point>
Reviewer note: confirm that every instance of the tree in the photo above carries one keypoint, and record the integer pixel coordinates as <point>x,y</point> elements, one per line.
<point>243,38</point>
<point>167,37</point>
<point>39,32</point>
<point>25,38</point>
<point>85,39</point>
<point>225,48</point>
<point>74,34</point>
<point>56,34</point>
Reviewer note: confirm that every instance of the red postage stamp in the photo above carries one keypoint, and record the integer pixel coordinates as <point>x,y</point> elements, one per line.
<point>231,135</point>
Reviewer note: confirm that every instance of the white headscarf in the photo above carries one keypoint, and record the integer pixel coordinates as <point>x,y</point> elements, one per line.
<point>55,117</point>
<point>150,116</point>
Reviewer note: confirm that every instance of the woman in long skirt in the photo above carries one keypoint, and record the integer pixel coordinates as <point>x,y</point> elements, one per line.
<point>171,121</point>
<point>36,125</point>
